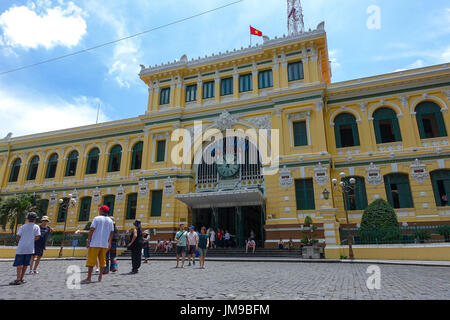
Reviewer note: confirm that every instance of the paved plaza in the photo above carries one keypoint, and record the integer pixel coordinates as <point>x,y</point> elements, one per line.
<point>232,280</point>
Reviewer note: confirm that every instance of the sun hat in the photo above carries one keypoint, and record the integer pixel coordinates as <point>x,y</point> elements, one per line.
<point>45,218</point>
<point>32,216</point>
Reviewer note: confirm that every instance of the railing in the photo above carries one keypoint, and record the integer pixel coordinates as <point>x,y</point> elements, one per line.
<point>53,241</point>
<point>400,235</point>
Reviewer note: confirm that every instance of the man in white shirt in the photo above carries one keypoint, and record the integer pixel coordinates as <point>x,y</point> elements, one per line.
<point>193,244</point>
<point>27,234</point>
<point>227,238</point>
<point>99,242</point>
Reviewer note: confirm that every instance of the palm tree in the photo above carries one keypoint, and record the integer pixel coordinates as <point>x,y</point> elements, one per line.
<point>14,209</point>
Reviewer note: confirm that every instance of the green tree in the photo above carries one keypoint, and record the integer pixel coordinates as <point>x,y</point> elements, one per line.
<point>379,223</point>
<point>13,210</point>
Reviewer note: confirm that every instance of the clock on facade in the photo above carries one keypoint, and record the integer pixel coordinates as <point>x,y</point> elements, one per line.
<point>228,167</point>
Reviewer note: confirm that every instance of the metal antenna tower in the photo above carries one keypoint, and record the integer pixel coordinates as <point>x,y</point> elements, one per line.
<point>295,17</point>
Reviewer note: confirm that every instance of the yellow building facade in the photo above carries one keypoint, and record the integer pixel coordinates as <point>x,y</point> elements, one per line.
<point>389,132</point>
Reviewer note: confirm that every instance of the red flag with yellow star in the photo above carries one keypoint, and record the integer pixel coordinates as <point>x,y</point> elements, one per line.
<point>255,32</point>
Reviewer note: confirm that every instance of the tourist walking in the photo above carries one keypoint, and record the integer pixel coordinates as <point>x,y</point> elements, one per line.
<point>146,242</point>
<point>212,238</point>
<point>220,243</point>
<point>39,245</point>
<point>99,242</point>
<point>111,255</point>
<point>203,244</point>
<point>181,239</point>
<point>136,244</point>
<point>26,236</point>
<point>193,244</point>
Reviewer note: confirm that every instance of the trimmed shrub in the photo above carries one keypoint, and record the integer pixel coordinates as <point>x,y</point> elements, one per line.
<point>379,223</point>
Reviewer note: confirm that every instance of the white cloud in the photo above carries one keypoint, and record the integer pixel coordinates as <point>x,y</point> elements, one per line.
<point>445,56</point>
<point>39,24</point>
<point>416,64</point>
<point>332,54</point>
<point>29,114</point>
<point>123,66</point>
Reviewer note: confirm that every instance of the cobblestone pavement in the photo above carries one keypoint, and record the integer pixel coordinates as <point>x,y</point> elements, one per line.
<point>232,280</point>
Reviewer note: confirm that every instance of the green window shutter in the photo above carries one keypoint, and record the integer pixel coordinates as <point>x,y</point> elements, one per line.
<point>246,83</point>
<point>226,86</point>
<point>300,134</point>
<point>71,167</point>
<point>376,126</point>
<point>116,153</point>
<point>420,126</point>
<point>355,134</point>
<point>61,212</point>
<point>85,207</point>
<point>110,201</point>
<point>265,79</point>
<point>92,163</point>
<point>164,96</point>
<point>161,151</point>
<point>359,193</point>
<point>434,183</point>
<point>387,186</point>
<point>191,93</point>
<point>337,135</point>
<point>156,203</point>
<point>295,71</point>
<point>208,90</point>
<point>131,206</point>
<point>440,122</point>
<point>304,194</point>
<point>32,168</point>
<point>397,132</point>
<point>43,206</point>
<point>403,189</point>
<point>51,166</point>
<point>136,160</point>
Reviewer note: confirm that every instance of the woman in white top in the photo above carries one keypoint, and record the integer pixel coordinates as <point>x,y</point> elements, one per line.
<point>212,238</point>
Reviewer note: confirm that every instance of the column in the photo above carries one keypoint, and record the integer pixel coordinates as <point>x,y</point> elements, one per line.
<point>235,84</point>
<point>60,169</point>
<point>125,160</point>
<point>284,80</point>
<point>255,80</point>
<point>276,73</point>
<point>150,97</point>
<point>199,90</point>
<point>102,162</point>
<point>155,97</point>
<point>239,227</point>
<point>146,151</point>
<point>306,70</point>
<point>172,102</point>
<point>217,87</point>
<point>314,67</point>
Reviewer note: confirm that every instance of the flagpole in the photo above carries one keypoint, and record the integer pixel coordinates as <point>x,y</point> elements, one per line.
<point>250,36</point>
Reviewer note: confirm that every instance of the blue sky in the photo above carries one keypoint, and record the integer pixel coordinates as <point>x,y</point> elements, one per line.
<point>66,93</point>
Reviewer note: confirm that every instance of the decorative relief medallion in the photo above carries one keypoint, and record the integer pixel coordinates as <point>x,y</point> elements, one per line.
<point>262,122</point>
<point>373,176</point>
<point>225,121</point>
<point>418,171</point>
<point>320,174</point>
<point>143,188</point>
<point>96,196</point>
<point>169,187</point>
<point>120,196</point>
<point>285,179</point>
<point>53,198</point>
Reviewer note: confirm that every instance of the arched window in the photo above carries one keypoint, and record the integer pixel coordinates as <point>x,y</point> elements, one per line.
<point>136,160</point>
<point>440,180</point>
<point>114,158</point>
<point>43,206</point>
<point>15,169</point>
<point>72,161</point>
<point>398,190</point>
<point>386,126</point>
<point>109,201</point>
<point>430,121</point>
<point>51,167</point>
<point>346,131</point>
<point>356,198</point>
<point>33,168</point>
<point>85,208</point>
<point>92,162</point>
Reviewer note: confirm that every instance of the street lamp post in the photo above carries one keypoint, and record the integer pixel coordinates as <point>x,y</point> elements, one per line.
<point>345,187</point>
<point>65,206</point>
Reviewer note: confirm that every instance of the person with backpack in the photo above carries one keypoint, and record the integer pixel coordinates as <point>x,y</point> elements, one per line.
<point>181,240</point>
<point>136,244</point>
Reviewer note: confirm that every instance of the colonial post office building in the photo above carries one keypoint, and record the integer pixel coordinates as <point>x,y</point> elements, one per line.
<point>389,132</point>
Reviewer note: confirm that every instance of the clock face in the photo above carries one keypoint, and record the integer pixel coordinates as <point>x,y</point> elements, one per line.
<point>227,168</point>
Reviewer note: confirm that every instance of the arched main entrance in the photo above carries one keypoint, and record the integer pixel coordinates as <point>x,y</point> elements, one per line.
<point>229,190</point>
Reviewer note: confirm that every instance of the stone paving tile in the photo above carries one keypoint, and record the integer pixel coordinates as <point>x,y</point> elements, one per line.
<point>233,280</point>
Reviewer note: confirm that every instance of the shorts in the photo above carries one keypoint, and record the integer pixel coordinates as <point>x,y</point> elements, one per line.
<point>38,251</point>
<point>181,249</point>
<point>203,252</point>
<point>93,254</point>
<point>191,250</point>
<point>22,260</point>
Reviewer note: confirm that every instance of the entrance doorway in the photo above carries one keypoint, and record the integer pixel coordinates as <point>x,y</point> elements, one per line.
<point>240,222</point>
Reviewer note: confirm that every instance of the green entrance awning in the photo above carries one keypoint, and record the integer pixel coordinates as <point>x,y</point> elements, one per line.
<point>223,199</point>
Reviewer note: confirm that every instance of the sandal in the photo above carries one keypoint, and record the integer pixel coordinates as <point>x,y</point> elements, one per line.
<point>15,283</point>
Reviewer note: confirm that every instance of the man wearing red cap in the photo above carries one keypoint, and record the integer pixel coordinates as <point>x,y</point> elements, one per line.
<point>99,242</point>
